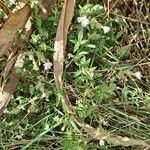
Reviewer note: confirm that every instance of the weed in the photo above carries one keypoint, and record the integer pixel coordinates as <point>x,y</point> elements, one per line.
<point>103,76</point>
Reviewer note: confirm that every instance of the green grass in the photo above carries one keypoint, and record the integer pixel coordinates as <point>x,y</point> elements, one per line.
<point>99,77</point>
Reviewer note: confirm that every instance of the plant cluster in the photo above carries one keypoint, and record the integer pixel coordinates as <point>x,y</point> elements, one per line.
<point>106,89</point>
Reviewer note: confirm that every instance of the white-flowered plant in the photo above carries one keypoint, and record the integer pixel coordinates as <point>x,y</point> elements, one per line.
<point>101,142</point>
<point>106,29</point>
<point>83,20</point>
<point>138,75</point>
<point>47,65</point>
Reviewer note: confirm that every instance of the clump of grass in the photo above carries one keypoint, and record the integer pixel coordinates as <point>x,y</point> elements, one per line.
<point>100,78</point>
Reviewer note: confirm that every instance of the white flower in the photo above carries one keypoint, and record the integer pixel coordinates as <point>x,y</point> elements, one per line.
<point>47,65</point>
<point>6,111</point>
<point>83,20</point>
<point>18,137</point>
<point>11,2</point>
<point>101,142</point>
<point>106,29</point>
<point>43,95</point>
<point>138,75</point>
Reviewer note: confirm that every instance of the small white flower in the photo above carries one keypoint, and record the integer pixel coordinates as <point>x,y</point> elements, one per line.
<point>83,20</point>
<point>43,95</point>
<point>106,29</point>
<point>138,75</point>
<point>18,137</point>
<point>11,2</point>
<point>101,142</point>
<point>6,111</point>
<point>47,65</point>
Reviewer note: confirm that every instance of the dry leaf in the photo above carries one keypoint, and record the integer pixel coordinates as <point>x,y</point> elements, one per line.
<point>61,39</point>
<point>6,95</point>
<point>15,22</point>
<point>9,65</point>
<point>45,8</point>
<point>4,7</point>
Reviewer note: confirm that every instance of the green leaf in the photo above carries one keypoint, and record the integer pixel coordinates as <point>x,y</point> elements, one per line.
<point>125,92</point>
<point>91,46</point>
<point>119,34</point>
<point>83,42</point>
<point>123,52</point>
<point>83,53</point>
<point>80,35</point>
<point>38,22</point>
